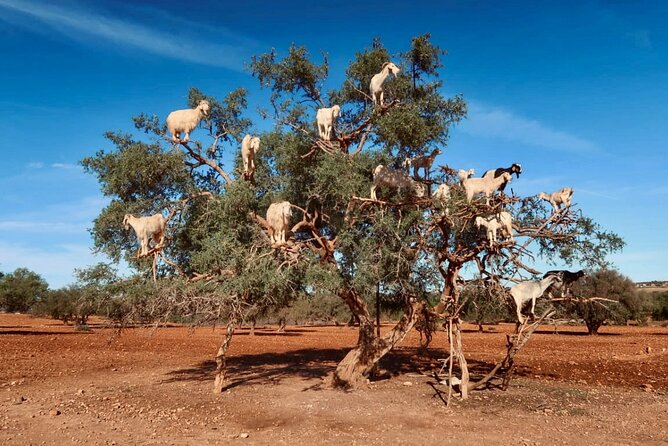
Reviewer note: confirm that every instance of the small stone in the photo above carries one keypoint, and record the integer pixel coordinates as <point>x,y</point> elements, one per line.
<point>54,412</point>
<point>20,400</point>
<point>80,392</point>
<point>648,349</point>
<point>244,435</point>
<point>407,383</point>
<point>646,387</point>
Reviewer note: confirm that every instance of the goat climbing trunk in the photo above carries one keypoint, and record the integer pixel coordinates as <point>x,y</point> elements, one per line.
<point>356,366</point>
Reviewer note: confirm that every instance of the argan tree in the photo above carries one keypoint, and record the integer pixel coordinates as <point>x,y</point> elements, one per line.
<point>219,263</point>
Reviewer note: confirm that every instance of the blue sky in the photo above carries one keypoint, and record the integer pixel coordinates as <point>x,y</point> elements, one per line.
<point>575,91</point>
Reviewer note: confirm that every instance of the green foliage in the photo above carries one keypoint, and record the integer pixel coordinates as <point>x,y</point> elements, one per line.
<point>658,305</point>
<point>21,289</point>
<point>221,263</point>
<point>607,284</point>
<point>484,304</point>
<point>59,304</point>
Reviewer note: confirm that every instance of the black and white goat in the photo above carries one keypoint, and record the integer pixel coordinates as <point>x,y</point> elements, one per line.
<point>567,278</point>
<point>494,173</point>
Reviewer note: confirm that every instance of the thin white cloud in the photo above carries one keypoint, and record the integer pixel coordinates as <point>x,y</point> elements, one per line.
<point>76,23</point>
<point>36,165</point>
<point>66,166</point>
<point>496,122</point>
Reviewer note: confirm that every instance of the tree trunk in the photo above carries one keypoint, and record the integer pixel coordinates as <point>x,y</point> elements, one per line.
<point>592,327</point>
<point>252,327</point>
<point>220,357</point>
<point>360,361</point>
<point>458,354</point>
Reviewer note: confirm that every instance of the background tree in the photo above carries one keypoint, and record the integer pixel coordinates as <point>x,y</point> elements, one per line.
<point>619,299</point>
<point>21,289</point>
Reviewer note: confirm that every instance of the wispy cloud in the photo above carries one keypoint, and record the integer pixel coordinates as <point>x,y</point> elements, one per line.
<point>496,122</point>
<point>75,22</point>
<point>66,166</point>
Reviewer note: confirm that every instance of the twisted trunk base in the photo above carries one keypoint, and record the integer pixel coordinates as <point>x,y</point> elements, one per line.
<point>354,369</point>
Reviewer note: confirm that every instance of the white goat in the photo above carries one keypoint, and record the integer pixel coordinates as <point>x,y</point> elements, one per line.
<point>501,220</point>
<point>406,164</point>
<point>185,121</point>
<point>558,198</point>
<point>325,118</point>
<point>425,162</point>
<point>465,174</point>
<point>278,218</point>
<point>147,229</point>
<point>486,186</point>
<point>384,176</point>
<point>441,194</point>
<point>376,85</point>
<point>249,147</point>
<point>530,290</point>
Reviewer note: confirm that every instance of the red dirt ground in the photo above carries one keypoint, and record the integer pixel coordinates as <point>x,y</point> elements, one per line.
<point>60,386</point>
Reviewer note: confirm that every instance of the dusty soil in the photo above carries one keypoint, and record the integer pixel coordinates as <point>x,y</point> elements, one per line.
<point>60,386</point>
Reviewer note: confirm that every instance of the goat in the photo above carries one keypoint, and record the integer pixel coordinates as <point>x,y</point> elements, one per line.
<point>406,164</point>
<point>558,198</point>
<point>376,85</point>
<point>325,118</point>
<point>384,176</point>
<point>465,174</point>
<point>442,193</point>
<point>186,120</point>
<point>494,173</point>
<point>425,162</point>
<point>278,218</point>
<point>501,220</point>
<point>147,229</point>
<point>249,147</point>
<point>486,186</point>
<point>530,290</point>
<point>567,279</point>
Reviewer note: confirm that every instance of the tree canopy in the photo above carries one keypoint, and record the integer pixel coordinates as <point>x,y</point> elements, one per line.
<point>219,263</point>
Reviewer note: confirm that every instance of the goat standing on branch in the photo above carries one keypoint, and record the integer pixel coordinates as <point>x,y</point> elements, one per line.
<point>495,173</point>
<point>486,186</point>
<point>530,290</point>
<point>185,121</point>
<point>325,118</point>
<point>501,220</point>
<point>278,219</point>
<point>465,175</point>
<point>147,229</point>
<point>384,176</point>
<point>376,85</point>
<point>558,198</point>
<point>249,148</point>
<point>424,162</point>
<point>567,279</point>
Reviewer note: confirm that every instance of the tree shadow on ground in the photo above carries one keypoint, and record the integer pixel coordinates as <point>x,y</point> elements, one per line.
<point>573,333</point>
<point>265,367</point>
<point>42,333</point>
<point>308,364</point>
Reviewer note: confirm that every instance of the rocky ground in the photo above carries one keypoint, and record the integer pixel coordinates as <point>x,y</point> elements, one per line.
<point>61,386</point>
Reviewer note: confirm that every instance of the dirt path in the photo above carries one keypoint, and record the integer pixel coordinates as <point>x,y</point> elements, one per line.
<point>64,387</point>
